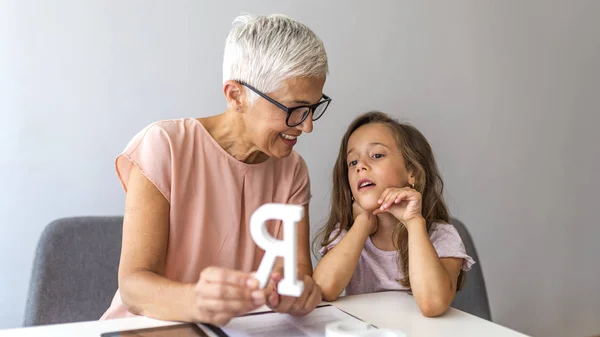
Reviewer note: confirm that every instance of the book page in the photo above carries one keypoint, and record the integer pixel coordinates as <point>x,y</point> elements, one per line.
<point>275,324</point>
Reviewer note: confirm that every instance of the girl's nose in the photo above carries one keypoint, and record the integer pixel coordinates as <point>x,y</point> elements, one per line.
<point>361,166</point>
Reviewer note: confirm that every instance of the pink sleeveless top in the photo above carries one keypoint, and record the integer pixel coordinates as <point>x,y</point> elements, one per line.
<point>212,196</point>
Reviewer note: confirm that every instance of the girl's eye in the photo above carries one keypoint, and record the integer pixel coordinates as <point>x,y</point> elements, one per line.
<point>377,156</point>
<point>352,163</point>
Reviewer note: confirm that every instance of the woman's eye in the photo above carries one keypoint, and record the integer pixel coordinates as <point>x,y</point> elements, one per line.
<point>352,163</point>
<point>377,155</point>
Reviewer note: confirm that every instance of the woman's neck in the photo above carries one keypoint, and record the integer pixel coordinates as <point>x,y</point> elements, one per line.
<point>230,132</point>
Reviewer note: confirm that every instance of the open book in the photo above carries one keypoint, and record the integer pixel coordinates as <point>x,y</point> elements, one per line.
<point>264,324</point>
<point>271,324</point>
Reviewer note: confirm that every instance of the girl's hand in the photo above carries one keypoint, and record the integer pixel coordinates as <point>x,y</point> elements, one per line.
<point>405,204</point>
<point>371,219</point>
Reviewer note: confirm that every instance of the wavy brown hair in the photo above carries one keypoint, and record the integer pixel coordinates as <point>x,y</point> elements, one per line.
<point>419,160</point>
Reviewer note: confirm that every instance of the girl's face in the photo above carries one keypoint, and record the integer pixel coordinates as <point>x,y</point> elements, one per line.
<point>374,164</point>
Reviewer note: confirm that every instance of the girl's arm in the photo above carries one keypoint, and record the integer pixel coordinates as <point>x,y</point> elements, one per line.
<point>334,271</point>
<point>433,280</point>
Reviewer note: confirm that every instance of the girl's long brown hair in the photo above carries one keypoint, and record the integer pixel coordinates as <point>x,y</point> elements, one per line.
<point>419,160</point>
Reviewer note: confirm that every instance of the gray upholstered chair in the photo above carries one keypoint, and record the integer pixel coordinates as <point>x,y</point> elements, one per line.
<point>473,297</point>
<point>74,276</point>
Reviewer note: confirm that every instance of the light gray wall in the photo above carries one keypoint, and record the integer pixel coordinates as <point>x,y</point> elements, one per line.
<point>506,91</point>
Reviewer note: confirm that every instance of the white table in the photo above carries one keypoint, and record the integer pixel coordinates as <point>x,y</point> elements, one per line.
<point>394,310</point>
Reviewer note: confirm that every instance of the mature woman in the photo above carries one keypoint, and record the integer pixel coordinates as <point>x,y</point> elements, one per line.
<point>192,184</point>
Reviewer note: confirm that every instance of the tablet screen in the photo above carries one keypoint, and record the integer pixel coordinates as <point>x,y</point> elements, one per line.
<point>179,330</point>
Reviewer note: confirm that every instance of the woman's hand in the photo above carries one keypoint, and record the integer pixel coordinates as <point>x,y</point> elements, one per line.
<point>296,306</point>
<point>370,219</point>
<point>222,294</point>
<point>405,204</point>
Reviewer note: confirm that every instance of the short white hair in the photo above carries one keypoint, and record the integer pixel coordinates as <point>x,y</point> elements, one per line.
<point>265,51</point>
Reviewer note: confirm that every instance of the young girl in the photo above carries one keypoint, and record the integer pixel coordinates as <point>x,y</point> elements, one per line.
<point>388,226</point>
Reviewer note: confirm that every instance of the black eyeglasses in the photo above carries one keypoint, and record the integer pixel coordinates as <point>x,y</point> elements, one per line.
<point>297,114</point>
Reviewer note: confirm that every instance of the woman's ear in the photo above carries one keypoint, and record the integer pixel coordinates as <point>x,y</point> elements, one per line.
<point>235,95</point>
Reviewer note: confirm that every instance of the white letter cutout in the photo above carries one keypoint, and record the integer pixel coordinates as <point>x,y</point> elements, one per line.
<point>286,248</point>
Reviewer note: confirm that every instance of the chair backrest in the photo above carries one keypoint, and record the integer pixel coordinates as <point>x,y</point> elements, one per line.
<point>473,297</point>
<point>74,276</point>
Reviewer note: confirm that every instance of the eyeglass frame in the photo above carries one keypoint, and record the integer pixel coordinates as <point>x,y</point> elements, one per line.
<point>289,111</point>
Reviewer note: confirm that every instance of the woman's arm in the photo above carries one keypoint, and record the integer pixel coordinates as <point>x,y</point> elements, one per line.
<point>219,295</point>
<point>335,269</point>
<point>433,280</point>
